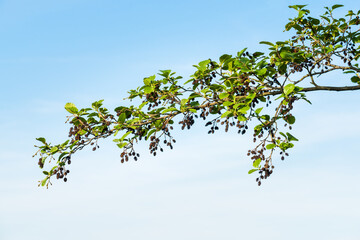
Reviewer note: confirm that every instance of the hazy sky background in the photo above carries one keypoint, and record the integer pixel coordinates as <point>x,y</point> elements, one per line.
<point>53,52</point>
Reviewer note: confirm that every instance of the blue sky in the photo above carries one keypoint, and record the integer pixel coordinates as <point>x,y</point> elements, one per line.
<point>53,52</point>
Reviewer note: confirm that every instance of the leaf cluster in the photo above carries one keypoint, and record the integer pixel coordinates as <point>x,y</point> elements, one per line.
<point>229,92</point>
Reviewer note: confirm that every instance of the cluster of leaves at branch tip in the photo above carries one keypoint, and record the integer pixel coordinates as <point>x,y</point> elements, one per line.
<point>228,93</point>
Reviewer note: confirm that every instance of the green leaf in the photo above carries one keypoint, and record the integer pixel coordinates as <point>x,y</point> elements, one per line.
<point>65,143</point>
<point>290,119</point>
<point>194,103</point>
<point>284,54</point>
<point>355,79</point>
<point>226,114</point>
<point>284,146</point>
<point>62,155</point>
<point>266,117</point>
<point>124,136</point>
<point>262,71</point>
<point>97,104</point>
<point>223,95</point>
<point>257,54</point>
<point>251,96</point>
<point>289,89</point>
<point>71,108</point>
<point>336,6</point>
<point>147,81</point>
<point>252,170</point>
<point>41,139</point>
<point>148,89</point>
<point>257,111</point>
<point>54,150</point>
<point>326,18</point>
<point>241,118</point>
<point>270,146</point>
<point>241,52</point>
<point>169,110</point>
<point>142,105</point>
<point>256,163</point>
<point>283,134</point>
<point>203,65</point>
<point>314,21</point>
<point>122,117</point>
<point>183,101</point>
<point>282,68</point>
<point>43,182</point>
<point>121,145</point>
<point>267,43</point>
<point>291,137</point>
<point>297,7</point>
<point>244,110</point>
<point>165,73</point>
<point>224,57</point>
<point>150,132</point>
<point>45,172</point>
<point>227,103</point>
